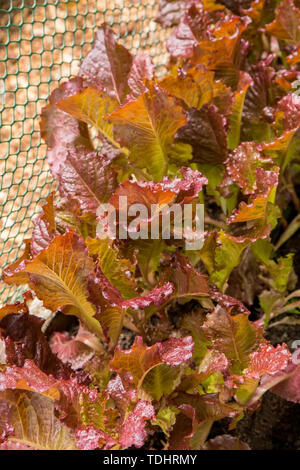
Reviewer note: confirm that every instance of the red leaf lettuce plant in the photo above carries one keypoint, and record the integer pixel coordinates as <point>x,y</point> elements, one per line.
<point>119,339</point>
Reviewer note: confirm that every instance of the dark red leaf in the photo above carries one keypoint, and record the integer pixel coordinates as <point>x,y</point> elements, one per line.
<point>60,130</point>
<point>268,360</point>
<point>44,228</point>
<point>205,131</point>
<point>133,430</point>
<point>289,389</point>
<point>176,351</point>
<point>25,340</point>
<point>91,438</point>
<point>108,64</point>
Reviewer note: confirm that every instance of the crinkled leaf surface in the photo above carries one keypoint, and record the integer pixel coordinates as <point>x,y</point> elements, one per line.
<point>140,359</point>
<point>133,430</point>
<point>108,64</point>
<point>86,178</point>
<point>142,70</point>
<point>147,127</point>
<point>197,87</point>
<point>191,29</point>
<point>268,360</point>
<point>59,275</point>
<point>235,336</point>
<point>44,227</point>
<point>119,271</point>
<point>223,52</point>
<point>60,130</point>
<point>25,340</point>
<point>286,25</point>
<point>205,131</point>
<point>91,106</point>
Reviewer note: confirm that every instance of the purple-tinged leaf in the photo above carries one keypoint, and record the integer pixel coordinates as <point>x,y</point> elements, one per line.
<point>25,340</point>
<point>242,165</point>
<point>225,442</point>
<point>35,424</point>
<point>286,25</point>
<point>224,50</point>
<point>44,228</point>
<point>122,392</point>
<point>142,70</point>
<point>157,296</point>
<point>289,389</point>
<point>133,431</point>
<point>147,127</point>
<point>171,12</point>
<point>176,351</point>
<point>268,360</point>
<point>205,132</point>
<point>70,350</point>
<point>27,377</point>
<point>235,336</point>
<point>192,29</point>
<point>60,130</point>
<point>86,178</point>
<point>108,64</point>
<point>188,281</point>
<point>91,438</point>
<point>140,359</point>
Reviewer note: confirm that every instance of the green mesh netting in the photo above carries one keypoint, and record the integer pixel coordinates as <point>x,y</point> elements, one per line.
<point>41,45</point>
